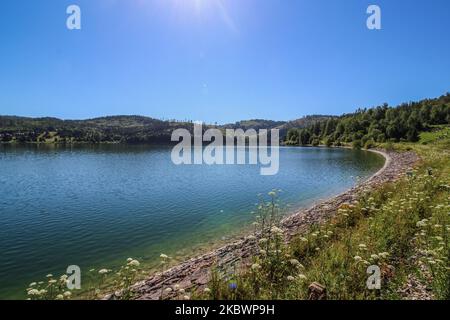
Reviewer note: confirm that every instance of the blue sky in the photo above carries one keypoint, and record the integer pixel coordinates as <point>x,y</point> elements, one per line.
<point>219,60</point>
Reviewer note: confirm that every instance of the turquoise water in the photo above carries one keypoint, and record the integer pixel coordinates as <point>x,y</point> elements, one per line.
<point>95,206</point>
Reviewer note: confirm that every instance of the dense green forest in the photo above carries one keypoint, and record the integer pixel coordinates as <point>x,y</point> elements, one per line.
<point>365,127</point>
<point>362,128</point>
<point>119,129</point>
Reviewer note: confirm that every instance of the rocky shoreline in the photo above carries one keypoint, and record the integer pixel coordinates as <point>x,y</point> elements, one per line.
<point>194,273</point>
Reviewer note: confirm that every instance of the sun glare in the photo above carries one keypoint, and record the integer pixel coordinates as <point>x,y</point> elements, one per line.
<point>205,8</point>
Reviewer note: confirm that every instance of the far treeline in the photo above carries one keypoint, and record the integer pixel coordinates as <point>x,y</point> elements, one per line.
<point>362,128</point>
<point>381,124</point>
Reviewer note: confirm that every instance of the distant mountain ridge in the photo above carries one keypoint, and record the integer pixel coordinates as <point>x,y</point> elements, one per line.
<point>119,129</point>
<point>375,124</point>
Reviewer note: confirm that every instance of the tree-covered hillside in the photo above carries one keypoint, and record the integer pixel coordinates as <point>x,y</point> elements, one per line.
<point>379,124</point>
<point>117,129</point>
<point>362,128</point>
<point>255,124</point>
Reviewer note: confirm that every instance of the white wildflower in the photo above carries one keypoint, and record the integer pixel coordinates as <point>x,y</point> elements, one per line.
<point>103,271</point>
<point>33,292</point>
<point>302,277</point>
<point>134,263</point>
<point>256,266</point>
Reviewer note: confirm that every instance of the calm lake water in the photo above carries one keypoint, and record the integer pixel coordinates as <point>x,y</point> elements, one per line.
<point>95,206</point>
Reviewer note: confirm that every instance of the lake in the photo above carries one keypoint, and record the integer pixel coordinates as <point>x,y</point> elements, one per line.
<point>95,206</point>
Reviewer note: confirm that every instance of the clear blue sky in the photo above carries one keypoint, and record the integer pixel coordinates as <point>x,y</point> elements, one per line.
<point>219,60</point>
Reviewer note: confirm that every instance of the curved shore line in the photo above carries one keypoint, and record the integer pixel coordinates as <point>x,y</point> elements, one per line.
<point>195,272</point>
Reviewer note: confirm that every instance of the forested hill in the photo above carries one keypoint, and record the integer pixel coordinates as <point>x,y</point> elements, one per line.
<point>117,129</point>
<point>365,127</point>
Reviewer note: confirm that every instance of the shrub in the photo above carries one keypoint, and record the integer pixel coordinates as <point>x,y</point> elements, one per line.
<point>315,142</point>
<point>369,144</point>
<point>357,144</point>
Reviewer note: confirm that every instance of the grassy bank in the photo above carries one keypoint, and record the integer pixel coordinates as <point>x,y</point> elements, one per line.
<point>403,228</point>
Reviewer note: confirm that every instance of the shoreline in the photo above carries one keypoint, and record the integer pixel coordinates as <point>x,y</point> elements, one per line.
<point>194,272</point>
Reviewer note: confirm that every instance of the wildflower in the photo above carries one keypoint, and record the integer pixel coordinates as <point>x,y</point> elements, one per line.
<point>176,287</point>
<point>256,266</point>
<point>168,290</point>
<point>207,290</point>
<point>186,297</point>
<point>49,275</point>
<point>164,256</point>
<point>276,230</point>
<point>232,285</point>
<point>129,259</point>
<point>134,263</point>
<point>182,291</point>
<point>302,239</point>
<point>59,297</point>
<point>294,262</point>
<point>272,193</point>
<point>302,277</point>
<point>384,255</point>
<point>33,292</point>
<point>263,252</point>
<point>262,240</point>
<point>290,278</point>
<point>52,281</point>
<point>421,224</point>
<point>362,246</point>
<point>67,294</point>
<point>32,284</point>
<point>43,291</point>
<point>357,258</point>
<point>103,271</point>
<point>374,257</point>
